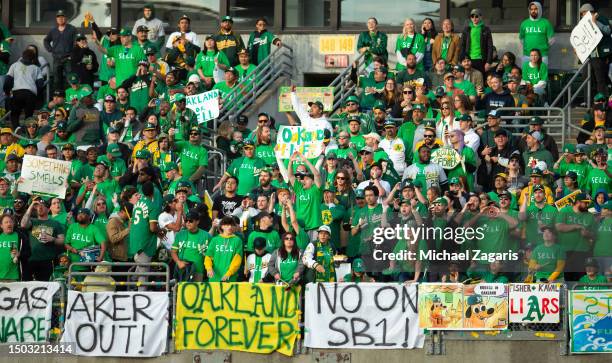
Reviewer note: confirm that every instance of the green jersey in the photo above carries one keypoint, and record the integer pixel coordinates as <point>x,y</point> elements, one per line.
<point>536,217</point>
<point>141,238</point>
<point>414,44</point>
<point>536,34</point>
<point>573,241</point>
<point>580,169</point>
<point>139,94</point>
<point>547,257</point>
<point>596,179</point>
<point>599,279</point>
<point>73,94</point>
<point>373,219</point>
<point>324,255</point>
<point>272,238</point>
<point>191,247</point>
<point>244,73</point>
<point>266,153</point>
<point>496,232</point>
<point>372,91</point>
<point>467,87</point>
<point>377,44</point>
<point>8,269</point>
<point>206,61</point>
<point>259,45</point>
<point>80,237</point>
<point>287,267</point>
<point>191,157</point>
<point>308,205</point>
<point>126,60</point>
<point>332,216</point>
<point>246,170</point>
<point>222,250</point>
<point>105,72</point>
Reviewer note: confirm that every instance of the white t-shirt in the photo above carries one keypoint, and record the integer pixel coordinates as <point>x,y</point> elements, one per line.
<point>306,121</point>
<point>163,220</point>
<point>191,36</point>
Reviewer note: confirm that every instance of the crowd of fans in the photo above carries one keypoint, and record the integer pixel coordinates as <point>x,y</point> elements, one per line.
<point>138,157</point>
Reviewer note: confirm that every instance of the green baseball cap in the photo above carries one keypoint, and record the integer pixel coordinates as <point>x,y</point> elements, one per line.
<point>114,150</point>
<point>317,103</point>
<point>86,91</point>
<point>378,105</point>
<point>599,97</point>
<point>418,107</point>
<point>179,97</point>
<point>73,78</point>
<point>169,166</point>
<point>143,154</point>
<point>351,98</point>
<point>357,265</point>
<point>474,300</point>
<point>453,180</point>
<point>149,126</point>
<point>125,32</point>
<point>441,200</point>
<point>150,50</point>
<point>569,148</point>
<point>227,18</point>
<point>359,194</point>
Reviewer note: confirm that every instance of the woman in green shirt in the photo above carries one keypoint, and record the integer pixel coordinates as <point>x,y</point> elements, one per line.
<point>286,264</point>
<point>535,72</point>
<point>211,63</point>
<point>409,42</point>
<point>548,259</point>
<point>10,249</point>
<point>224,254</point>
<point>58,212</point>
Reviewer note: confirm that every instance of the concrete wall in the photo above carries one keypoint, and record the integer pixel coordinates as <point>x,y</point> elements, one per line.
<point>456,352</point>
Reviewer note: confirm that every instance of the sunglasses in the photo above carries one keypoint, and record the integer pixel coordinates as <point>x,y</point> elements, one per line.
<point>446,108</point>
<point>101,203</point>
<point>474,16</point>
<point>408,92</point>
<point>351,104</point>
<point>194,134</point>
<point>341,178</point>
<point>190,221</point>
<point>343,137</point>
<point>58,115</point>
<point>288,238</point>
<point>428,136</point>
<point>263,120</point>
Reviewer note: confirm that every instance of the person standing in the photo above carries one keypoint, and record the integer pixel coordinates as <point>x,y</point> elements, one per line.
<point>601,54</point>
<point>447,45</point>
<point>83,61</point>
<point>536,32</point>
<point>409,42</point>
<point>260,42</point>
<point>224,253</point>
<point>125,57</point>
<point>156,33</point>
<point>184,31</point>
<point>229,42</point>
<point>23,80</point>
<point>477,42</point>
<point>372,43</point>
<point>59,42</point>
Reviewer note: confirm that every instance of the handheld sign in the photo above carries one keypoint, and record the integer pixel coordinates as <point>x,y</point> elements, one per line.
<point>585,37</point>
<point>44,176</point>
<point>567,200</point>
<point>305,95</point>
<point>446,157</point>
<point>297,138</point>
<point>205,105</point>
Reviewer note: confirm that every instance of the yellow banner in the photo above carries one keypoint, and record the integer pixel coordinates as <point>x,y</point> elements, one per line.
<point>257,318</point>
<point>567,200</point>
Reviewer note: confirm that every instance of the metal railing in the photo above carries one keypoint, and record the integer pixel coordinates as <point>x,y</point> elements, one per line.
<point>344,85</point>
<point>163,275</point>
<point>278,64</point>
<point>553,117</point>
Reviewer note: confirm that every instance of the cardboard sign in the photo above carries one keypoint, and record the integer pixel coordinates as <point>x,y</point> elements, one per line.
<point>567,200</point>
<point>118,324</point>
<point>296,138</point>
<point>463,307</point>
<point>205,105</point>
<point>25,311</point>
<point>257,318</point>
<point>585,37</point>
<point>446,157</point>
<point>305,95</point>
<point>590,321</point>
<point>534,303</point>
<point>44,176</point>
<point>363,316</point>
<point>337,44</point>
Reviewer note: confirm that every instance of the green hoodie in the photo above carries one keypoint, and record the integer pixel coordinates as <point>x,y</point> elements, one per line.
<point>475,51</point>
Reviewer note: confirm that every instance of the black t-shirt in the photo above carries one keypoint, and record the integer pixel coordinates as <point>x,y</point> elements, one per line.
<point>226,205</point>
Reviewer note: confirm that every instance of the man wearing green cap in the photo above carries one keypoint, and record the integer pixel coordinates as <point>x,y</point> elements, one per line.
<point>116,164</point>
<point>592,276</point>
<point>226,87</point>
<point>155,26</point>
<point>84,119</point>
<point>174,180</point>
<point>246,169</point>
<point>84,235</point>
<point>192,156</point>
<point>358,273</point>
<point>181,119</point>
<point>138,87</point>
<point>73,93</point>
<point>229,42</point>
<point>351,112</point>
<point>412,132</point>
<point>537,214</point>
<point>100,185</point>
<point>124,57</point>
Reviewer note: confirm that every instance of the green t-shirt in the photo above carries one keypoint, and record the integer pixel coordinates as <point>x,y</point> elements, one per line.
<point>287,268</point>
<point>496,232</point>
<point>272,238</point>
<point>475,51</point>
<point>191,247</point>
<point>534,75</point>
<point>126,60</point>
<point>80,237</point>
<point>467,87</point>
<point>191,157</point>
<point>547,257</point>
<point>105,72</point>
<point>44,251</point>
<point>243,73</point>
<point>415,44</point>
<point>141,238</point>
<point>535,34</point>
<point>595,180</point>
<point>368,99</point>
<point>573,241</point>
<point>603,239</point>
<point>308,205</point>
<point>599,279</point>
<point>246,170</point>
<point>535,216</point>
<point>222,251</point>
<point>373,218</point>
<point>8,269</point>
<point>206,61</point>
<point>266,153</point>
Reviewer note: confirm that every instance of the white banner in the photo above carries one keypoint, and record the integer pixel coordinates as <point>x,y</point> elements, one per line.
<point>119,324</point>
<point>534,303</point>
<point>205,105</point>
<point>365,316</point>
<point>296,138</point>
<point>25,311</point>
<point>44,176</point>
<point>585,37</point>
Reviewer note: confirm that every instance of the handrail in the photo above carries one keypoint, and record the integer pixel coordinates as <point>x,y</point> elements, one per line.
<point>343,87</point>
<point>278,63</point>
<point>568,86</point>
